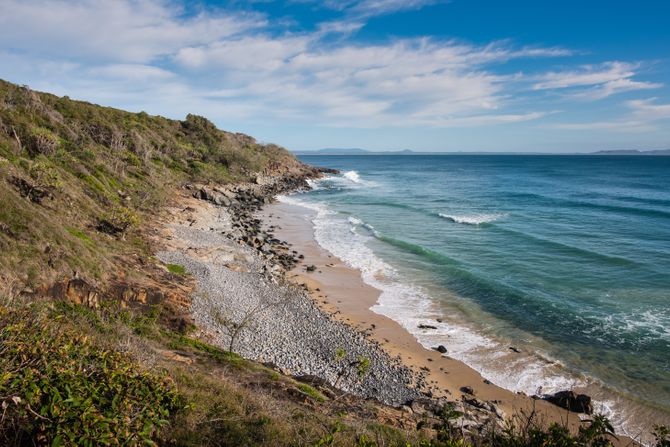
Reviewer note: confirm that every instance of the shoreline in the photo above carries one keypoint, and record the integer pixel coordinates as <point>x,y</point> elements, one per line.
<point>341,291</point>
<point>219,246</point>
<point>235,243</point>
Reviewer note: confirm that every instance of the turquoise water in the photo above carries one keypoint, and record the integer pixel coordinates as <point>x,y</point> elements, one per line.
<point>565,257</point>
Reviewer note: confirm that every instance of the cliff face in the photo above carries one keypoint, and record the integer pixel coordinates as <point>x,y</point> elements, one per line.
<point>80,182</point>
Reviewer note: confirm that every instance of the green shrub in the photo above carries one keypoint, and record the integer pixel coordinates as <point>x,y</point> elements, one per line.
<point>662,435</point>
<point>118,221</point>
<point>59,388</point>
<point>176,269</point>
<point>42,141</point>
<point>311,392</point>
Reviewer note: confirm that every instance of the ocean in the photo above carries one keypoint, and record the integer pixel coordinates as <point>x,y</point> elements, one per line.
<point>541,272</point>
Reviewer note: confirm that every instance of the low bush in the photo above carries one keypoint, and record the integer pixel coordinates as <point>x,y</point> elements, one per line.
<point>59,388</point>
<point>176,269</point>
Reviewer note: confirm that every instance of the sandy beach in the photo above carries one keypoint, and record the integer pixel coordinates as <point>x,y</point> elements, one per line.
<point>340,291</point>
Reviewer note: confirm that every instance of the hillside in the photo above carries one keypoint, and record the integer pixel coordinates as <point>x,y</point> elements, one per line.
<point>98,344</point>
<point>92,177</point>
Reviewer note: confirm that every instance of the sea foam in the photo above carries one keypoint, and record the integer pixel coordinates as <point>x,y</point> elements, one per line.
<point>473,219</point>
<point>530,372</point>
<point>411,305</point>
<point>344,181</point>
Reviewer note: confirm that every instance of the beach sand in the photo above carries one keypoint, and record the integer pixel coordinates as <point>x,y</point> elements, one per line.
<point>340,291</point>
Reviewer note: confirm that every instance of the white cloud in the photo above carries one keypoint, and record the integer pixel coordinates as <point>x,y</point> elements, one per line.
<point>255,53</point>
<point>408,82</point>
<point>149,54</point>
<point>642,117</point>
<point>340,26</point>
<point>131,72</point>
<point>595,81</point>
<point>122,31</point>
<point>648,110</point>
<point>378,7</point>
<point>367,8</point>
<point>616,86</point>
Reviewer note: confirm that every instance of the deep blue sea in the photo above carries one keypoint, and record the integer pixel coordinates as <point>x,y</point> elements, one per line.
<point>565,258</point>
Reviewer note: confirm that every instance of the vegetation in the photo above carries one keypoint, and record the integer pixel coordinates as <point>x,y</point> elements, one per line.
<point>101,171</point>
<point>176,269</point>
<point>74,376</point>
<point>60,387</point>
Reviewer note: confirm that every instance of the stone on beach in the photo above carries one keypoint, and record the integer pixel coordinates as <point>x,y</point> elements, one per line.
<point>577,403</point>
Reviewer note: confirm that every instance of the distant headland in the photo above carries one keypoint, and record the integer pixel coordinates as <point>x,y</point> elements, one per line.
<point>359,151</point>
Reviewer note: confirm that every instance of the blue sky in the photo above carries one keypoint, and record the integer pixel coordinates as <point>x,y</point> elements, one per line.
<point>429,75</point>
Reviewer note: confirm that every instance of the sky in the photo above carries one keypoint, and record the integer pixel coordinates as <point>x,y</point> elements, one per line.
<point>426,75</point>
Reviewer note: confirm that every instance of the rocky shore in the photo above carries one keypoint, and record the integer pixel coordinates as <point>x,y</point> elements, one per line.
<point>243,302</point>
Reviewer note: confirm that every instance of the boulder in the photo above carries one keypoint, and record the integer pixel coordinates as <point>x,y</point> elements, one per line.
<point>577,403</point>
<point>467,390</point>
<point>441,349</point>
<point>427,326</point>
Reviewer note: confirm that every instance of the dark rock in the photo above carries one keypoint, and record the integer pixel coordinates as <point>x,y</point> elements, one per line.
<point>30,191</point>
<point>577,403</point>
<point>205,194</point>
<point>513,349</point>
<point>441,349</point>
<point>310,268</point>
<point>467,390</point>
<point>427,326</point>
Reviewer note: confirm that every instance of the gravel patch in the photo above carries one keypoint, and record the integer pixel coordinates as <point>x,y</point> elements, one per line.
<point>239,292</point>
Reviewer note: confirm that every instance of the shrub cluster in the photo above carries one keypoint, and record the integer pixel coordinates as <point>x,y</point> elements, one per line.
<point>57,387</point>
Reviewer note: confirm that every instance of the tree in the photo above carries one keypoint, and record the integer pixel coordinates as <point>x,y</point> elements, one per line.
<point>361,366</point>
<point>236,323</point>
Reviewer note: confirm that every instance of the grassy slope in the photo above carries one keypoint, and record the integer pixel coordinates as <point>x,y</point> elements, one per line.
<point>79,187</point>
<point>96,164</point>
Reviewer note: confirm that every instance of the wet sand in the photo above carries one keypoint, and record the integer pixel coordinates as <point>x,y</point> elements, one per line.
<point>341,291</point>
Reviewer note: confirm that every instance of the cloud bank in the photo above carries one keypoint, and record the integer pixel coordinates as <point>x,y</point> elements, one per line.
<point>236,65</point>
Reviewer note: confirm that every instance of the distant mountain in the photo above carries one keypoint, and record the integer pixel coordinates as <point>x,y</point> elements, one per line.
<point>660,152</point>
<point>352,151</point>
<point>358,151</point>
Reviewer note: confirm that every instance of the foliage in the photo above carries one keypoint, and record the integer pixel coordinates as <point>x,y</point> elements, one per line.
<point>176,269</point>
<point>59,388</point>
<point>85,166</point>
<point>662,435</point>
<point>118,221</point>
<point>362,366</point>
<point>45,175</point>
<point>311,392</point>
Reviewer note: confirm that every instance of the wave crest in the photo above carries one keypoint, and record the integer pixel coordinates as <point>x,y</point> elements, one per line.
<point>347,180</point>
<point>473,219</point>
<point>353,176</point>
